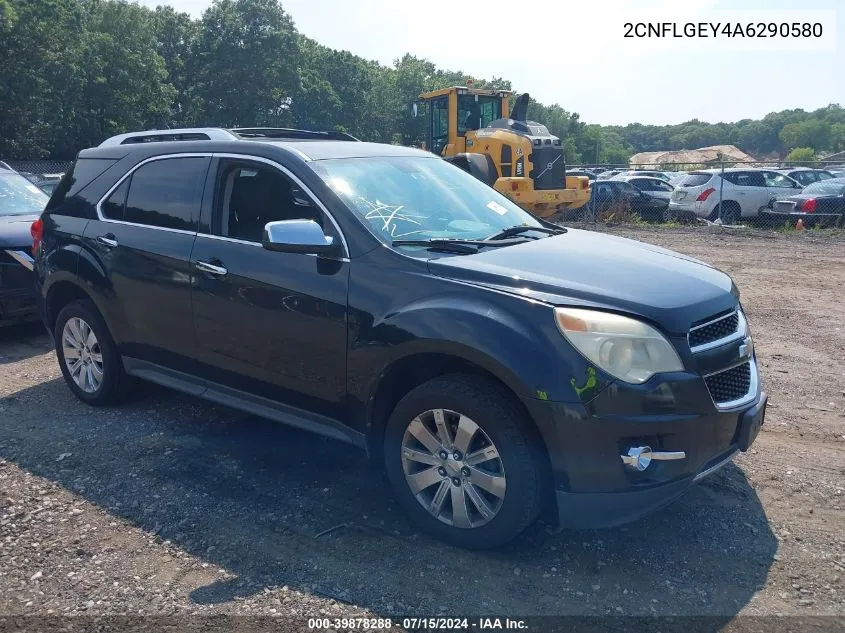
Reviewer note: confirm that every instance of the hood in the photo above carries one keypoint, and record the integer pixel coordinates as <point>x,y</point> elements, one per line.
<point>585,268</point>
<point>14,230</point>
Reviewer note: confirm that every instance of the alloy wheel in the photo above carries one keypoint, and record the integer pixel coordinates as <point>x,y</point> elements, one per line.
<point>453,468</point>
<point>82,355</point>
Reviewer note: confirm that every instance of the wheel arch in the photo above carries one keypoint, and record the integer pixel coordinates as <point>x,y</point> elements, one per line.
<point>410,371</point>
<point>58,295</point>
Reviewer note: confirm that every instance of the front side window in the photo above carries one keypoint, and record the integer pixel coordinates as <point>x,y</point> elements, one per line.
<point>774,179</point>
<point>167,193</point>
<point>474,115</point>
<point>250,194</point>
<point>18,196</point>
<point>419,198</point>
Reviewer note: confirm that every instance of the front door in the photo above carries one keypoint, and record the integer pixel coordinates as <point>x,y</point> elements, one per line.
<point>142,237</point>
<point>268,323</point>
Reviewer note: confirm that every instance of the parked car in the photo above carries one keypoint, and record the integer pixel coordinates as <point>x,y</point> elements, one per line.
<point>805,176</point>
<point>819,204</point>
<point>675,177</point>
<point>497,365</point>
<point>607,194</point>
<point>20,204</point>
<point>654,187</point>
<point>645,173</point>
<point>581,172</point>
<point>46,182</point>
<point>608,173</point>
<point>745,193</point>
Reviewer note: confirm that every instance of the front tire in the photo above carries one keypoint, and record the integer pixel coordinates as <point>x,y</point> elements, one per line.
<point>88,357</point>
<point>459,457</point>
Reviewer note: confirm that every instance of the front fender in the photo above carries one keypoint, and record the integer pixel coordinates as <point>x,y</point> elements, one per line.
<point>512,338</point>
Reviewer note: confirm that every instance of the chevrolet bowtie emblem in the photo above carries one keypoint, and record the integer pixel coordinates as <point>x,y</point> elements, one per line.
<point>746,350</point>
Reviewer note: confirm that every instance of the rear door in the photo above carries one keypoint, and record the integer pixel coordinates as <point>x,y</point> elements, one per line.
<point>749,189</point>
<point>268,323</point>
<point>142,237</point>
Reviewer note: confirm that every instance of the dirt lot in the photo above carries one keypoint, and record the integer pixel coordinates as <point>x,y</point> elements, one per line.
<point>172,505</point>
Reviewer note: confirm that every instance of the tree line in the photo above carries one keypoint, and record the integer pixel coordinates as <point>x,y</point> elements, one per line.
<point>77,71</point>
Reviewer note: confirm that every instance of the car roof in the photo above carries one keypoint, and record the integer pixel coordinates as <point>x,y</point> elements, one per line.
<point>306,150</point>
<point>626,177</point>
<point>836,181</point>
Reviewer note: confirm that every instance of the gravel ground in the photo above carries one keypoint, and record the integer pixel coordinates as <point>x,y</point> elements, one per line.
<point>170,505</point>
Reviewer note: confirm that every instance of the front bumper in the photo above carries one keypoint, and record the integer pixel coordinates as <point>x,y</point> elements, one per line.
<point>594,488</point>
<point>17,289</point>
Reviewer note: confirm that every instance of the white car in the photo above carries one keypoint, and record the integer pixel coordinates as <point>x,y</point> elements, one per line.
<point>641,172</point>
<point>744,193</point>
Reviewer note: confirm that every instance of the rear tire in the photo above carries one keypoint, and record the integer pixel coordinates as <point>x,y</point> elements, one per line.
<point>729,212</point>
<point>88,357</point>
<point>463,499</point>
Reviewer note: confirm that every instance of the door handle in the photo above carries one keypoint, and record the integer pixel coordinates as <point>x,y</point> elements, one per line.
<point>107,240</point>
<point>211,268</point>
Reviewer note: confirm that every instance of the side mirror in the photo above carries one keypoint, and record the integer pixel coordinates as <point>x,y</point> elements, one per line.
<point>416,109</point>
<point>298,236</point>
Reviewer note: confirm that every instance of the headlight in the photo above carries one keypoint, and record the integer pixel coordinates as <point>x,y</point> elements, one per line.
<point>623,347</point>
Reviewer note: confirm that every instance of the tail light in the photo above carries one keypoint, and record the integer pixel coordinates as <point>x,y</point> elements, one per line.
<point>514,186</point>
<point>809,205</point>
<point>37,233</point>
<point>705,194</point>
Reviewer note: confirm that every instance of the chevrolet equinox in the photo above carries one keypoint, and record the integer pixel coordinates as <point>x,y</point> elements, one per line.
<point>497,365</point>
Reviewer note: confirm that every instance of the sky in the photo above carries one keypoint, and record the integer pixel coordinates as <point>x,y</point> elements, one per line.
<point>574,53</point>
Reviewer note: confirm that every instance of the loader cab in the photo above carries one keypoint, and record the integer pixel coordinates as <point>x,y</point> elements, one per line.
<point>452,112</point>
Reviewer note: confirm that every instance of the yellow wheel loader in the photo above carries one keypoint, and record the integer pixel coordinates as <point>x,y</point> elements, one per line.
<point>474,129</point>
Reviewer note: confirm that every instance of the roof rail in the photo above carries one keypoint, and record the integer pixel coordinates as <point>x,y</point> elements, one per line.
<point>290,133</point>
<point>183,134</point>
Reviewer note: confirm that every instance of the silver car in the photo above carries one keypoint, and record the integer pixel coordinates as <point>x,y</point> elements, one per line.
<point>744,193</point>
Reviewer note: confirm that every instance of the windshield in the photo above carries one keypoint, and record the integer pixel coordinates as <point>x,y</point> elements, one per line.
<point>18,196</point>
<point>420,198</point>
<point>826,188</point>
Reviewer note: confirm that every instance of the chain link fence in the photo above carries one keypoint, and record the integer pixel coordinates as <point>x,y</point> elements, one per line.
<point>772,195</point>
<point>42,173</point>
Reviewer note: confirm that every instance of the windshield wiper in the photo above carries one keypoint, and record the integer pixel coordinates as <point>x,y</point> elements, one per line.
<point>452,244</point>
<point>522,228</point>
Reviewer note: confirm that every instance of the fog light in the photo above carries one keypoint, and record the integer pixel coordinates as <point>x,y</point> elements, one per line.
<point>640,457</point>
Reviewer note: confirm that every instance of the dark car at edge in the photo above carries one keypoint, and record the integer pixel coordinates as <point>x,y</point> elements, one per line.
<point>819,204</point>
<point>20,204</point>
<point>497,366</point>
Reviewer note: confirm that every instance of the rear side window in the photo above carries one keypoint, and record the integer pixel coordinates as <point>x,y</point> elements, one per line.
<point>824,175</point>
<point>167,193</point>
<point>695,180</point>
<point>79,176</point>
<point>746,178</point>
<point>113,207</point>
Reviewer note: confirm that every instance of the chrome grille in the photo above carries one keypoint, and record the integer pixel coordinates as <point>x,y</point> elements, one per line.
<point>731,384</point>
<point>716,331</point>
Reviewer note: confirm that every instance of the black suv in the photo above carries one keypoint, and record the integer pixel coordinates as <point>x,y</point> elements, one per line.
<point>495,364</point>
